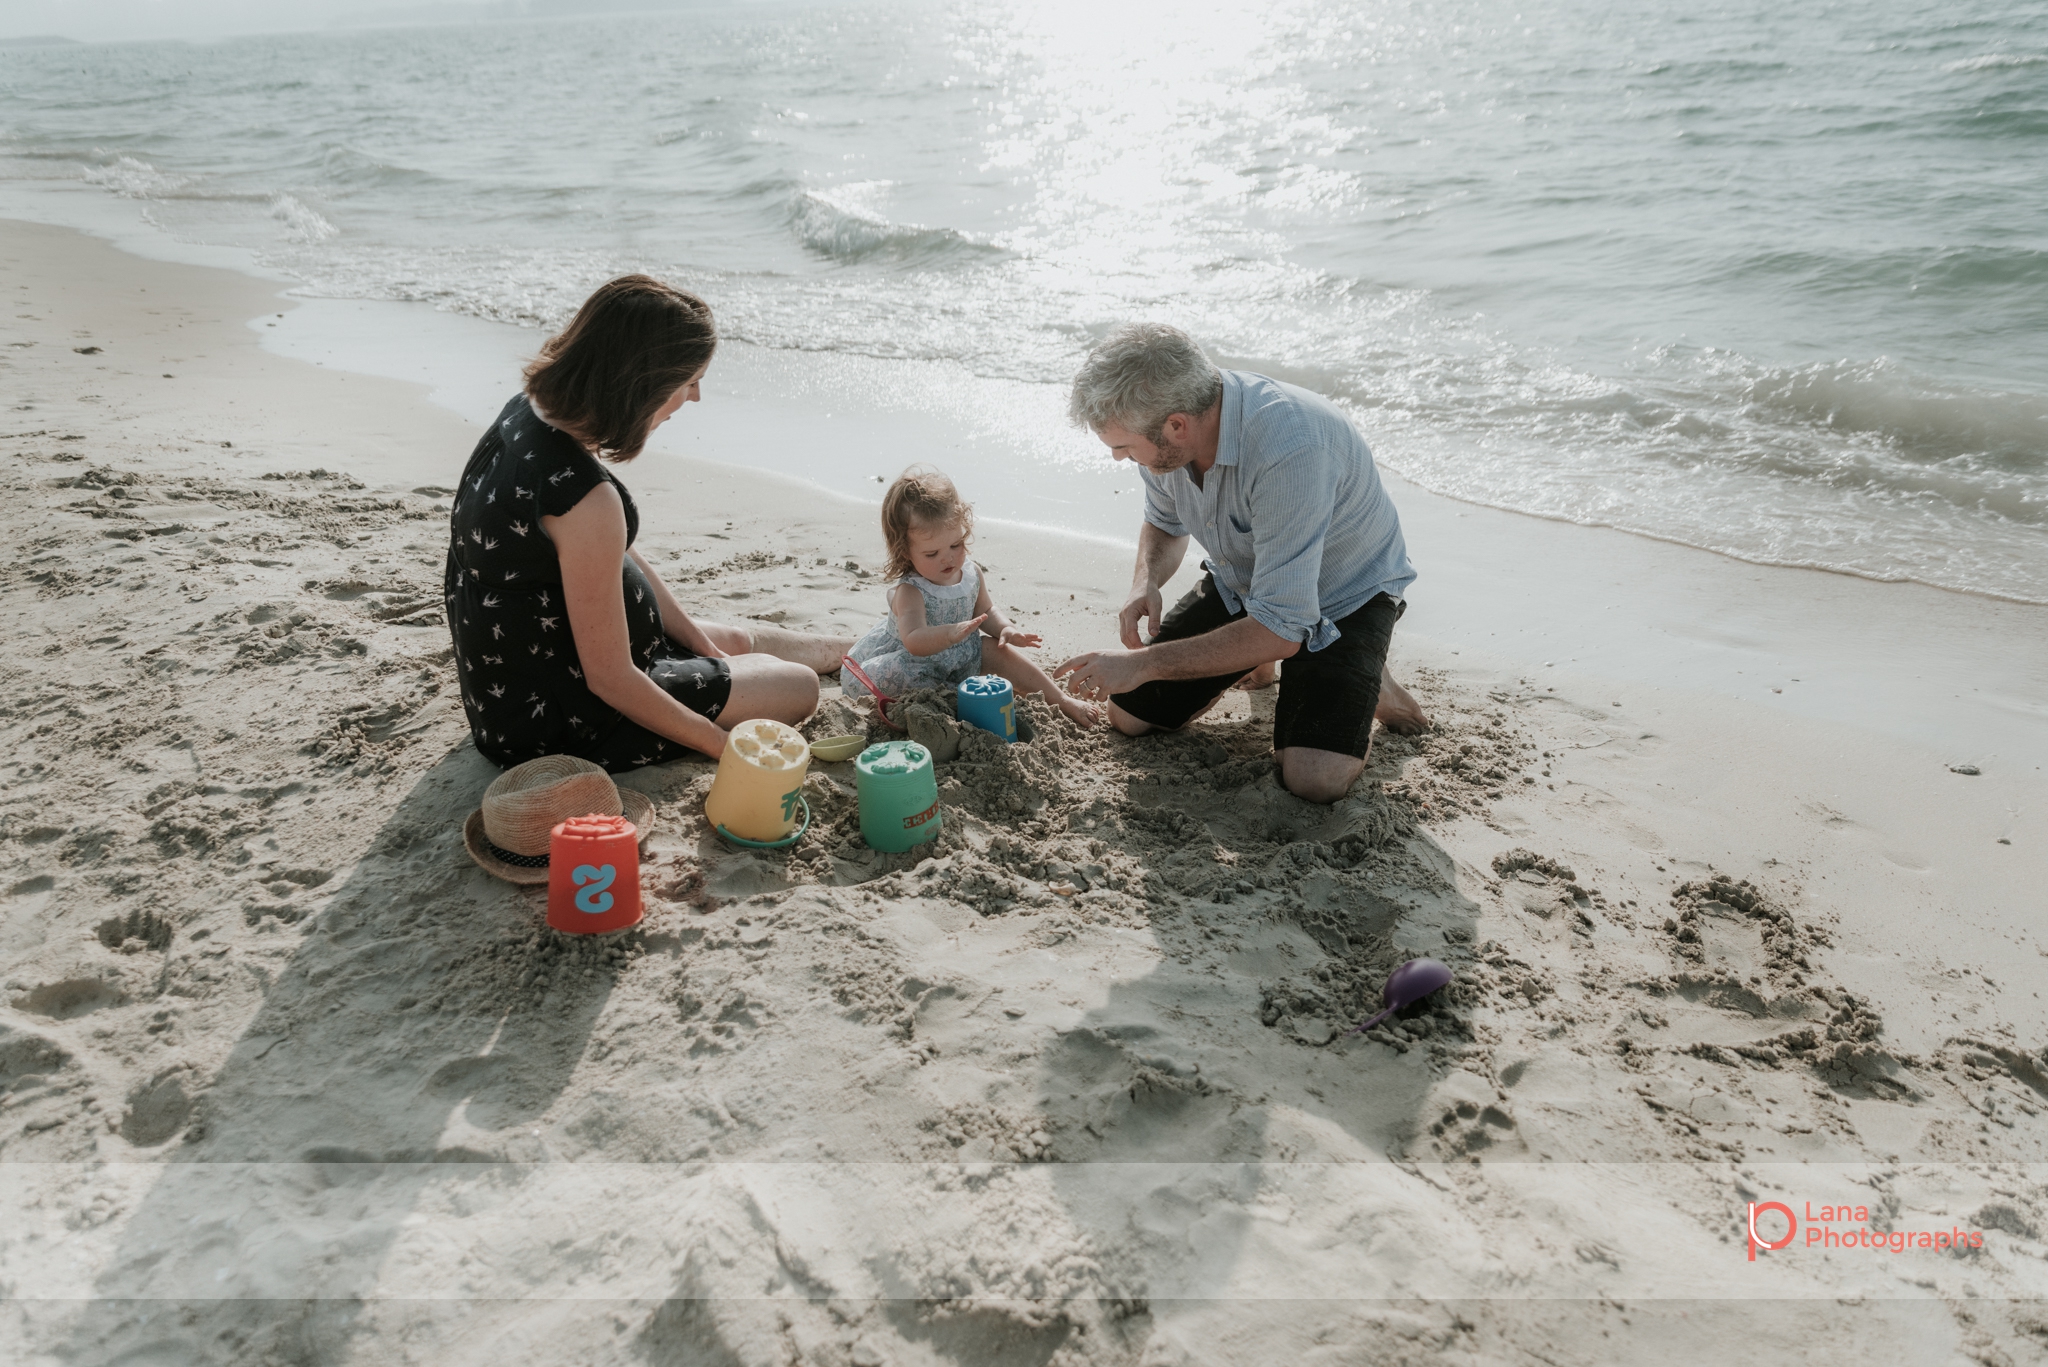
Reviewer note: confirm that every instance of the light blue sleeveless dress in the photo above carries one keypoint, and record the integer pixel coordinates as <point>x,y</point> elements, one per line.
<point>895,670</point>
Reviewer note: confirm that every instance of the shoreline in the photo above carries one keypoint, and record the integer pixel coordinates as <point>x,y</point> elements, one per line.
<point>416,341</point>
<point>1698,935</point>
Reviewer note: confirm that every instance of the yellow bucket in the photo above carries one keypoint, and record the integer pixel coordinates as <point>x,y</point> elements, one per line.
<point>757,796</point>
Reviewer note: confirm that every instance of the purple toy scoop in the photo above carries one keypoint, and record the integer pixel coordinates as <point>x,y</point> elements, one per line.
<point>1409,983</point>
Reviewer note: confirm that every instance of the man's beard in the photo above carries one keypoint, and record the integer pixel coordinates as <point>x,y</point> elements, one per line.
<point>1171,457</point>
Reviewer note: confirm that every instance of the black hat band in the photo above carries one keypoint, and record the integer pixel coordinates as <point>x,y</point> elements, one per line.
<point>517,861</point>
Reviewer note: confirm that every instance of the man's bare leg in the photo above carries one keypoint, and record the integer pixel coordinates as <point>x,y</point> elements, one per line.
<point>1265,676</point>
<point>1398,711</point>
<point>1323,776</point>
<point>821,654</point>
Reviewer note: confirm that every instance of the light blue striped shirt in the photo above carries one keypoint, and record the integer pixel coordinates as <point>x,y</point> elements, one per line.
<point>1298,529</point>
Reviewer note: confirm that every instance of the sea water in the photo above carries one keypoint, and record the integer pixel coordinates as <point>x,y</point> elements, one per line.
<point>1769,280</point>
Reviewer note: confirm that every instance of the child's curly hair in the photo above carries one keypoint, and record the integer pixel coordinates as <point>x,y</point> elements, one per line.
<point>920,497</point>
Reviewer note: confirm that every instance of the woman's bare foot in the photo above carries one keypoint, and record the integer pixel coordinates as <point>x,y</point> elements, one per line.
<point>1398,711</point>
<point>1265,676</point>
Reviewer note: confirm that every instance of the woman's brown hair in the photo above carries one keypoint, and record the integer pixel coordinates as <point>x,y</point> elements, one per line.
<point>631,346</point>
<point>920,497</point>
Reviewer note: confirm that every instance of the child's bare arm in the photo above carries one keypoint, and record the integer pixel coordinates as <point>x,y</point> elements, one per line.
<point>996,626</point>
<point>906,605</point>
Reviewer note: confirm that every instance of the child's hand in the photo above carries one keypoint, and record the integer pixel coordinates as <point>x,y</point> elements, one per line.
<point>960,631</point>
<point>1025,640</point>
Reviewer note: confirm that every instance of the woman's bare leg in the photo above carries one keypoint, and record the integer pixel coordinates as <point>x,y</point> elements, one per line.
<point>763,686</point>
<point>820,654</point>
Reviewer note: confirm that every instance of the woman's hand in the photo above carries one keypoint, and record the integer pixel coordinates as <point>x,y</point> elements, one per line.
<point>590,542</point>
<point>676,624</point>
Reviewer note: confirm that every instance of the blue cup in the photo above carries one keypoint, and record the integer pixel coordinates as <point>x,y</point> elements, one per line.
<point>988,701</point>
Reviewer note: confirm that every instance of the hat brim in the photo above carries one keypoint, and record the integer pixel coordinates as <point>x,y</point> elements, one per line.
<point>639,809</point>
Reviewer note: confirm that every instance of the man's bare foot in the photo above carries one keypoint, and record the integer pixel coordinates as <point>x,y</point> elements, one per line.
<point>1398,711</point>
<point>1082,714</point>
<point>1265,676</point>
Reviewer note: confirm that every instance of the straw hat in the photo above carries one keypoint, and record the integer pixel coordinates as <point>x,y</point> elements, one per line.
<point>508,835</point>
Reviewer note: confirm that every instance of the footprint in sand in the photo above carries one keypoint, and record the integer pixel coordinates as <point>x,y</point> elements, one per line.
<point>69,999</point>
<point>157,1109</point>
<point>137,931</point>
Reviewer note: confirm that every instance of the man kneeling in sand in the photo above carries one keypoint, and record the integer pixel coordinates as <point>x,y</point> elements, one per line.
<point>1305,558</point>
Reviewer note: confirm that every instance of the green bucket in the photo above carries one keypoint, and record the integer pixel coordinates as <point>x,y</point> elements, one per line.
<point>899,795</point>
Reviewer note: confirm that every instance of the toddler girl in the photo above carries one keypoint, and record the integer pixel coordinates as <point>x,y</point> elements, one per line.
<point>929,638</point>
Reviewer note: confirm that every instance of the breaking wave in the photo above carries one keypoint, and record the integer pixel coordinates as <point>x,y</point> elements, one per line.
<point>1992,61</point>
<point>301,223</point>
<point>847,234</point>
<point>133,179</point>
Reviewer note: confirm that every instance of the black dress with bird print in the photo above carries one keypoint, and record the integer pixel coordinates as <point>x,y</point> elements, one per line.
<point>522,684</point>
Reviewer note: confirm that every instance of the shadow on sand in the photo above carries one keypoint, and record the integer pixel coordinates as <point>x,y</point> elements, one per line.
<point>385,1048</point>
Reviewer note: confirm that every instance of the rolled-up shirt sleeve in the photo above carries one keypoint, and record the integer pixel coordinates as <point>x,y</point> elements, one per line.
<point>1159,509</point>
<point>1290,504</point>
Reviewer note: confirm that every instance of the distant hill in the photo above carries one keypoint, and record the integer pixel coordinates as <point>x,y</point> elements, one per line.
<point>40,40</point>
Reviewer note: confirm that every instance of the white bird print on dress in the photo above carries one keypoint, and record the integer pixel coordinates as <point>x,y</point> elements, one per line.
<point>491,543</point>
<point>497,690</point>
<point>520,529</point>
<point>559,476</point>
<point>544,599</point>
<point>497,632</point>
<point>518,492</point>
<point>548,623</point>
<point>490,600</point>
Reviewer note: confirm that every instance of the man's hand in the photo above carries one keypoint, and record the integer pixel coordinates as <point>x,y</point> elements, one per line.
<point>1100,673</point>
<point>1144,604</point>
<point>1023,640</point>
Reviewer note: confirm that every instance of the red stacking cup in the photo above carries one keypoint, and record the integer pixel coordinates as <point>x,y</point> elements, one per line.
<point>593,875</point>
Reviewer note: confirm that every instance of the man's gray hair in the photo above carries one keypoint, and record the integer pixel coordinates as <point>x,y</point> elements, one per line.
<point>1141,375</point>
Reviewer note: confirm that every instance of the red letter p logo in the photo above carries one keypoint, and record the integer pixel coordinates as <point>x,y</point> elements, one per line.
<point>1758,1241</point>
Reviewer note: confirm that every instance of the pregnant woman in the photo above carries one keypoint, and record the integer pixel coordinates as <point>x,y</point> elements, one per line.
<point>567,641</point>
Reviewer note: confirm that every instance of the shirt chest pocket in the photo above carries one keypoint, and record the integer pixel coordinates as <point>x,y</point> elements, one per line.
<point>1239,525</point>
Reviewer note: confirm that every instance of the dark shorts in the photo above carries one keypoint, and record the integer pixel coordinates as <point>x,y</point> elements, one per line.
<point>1327,696</point>
<point>703,685</point>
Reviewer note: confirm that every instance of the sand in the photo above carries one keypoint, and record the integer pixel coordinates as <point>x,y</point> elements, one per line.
<point>288,1080</point>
